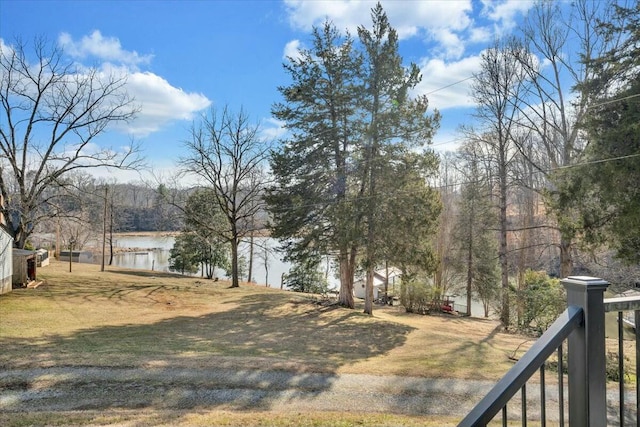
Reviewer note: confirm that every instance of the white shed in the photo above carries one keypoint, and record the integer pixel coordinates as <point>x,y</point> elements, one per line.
<point>379,277</point>
<point>6,261</point>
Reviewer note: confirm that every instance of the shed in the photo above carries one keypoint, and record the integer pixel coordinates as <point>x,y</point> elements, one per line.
<point>43,257</point>
<point>6,263</point>
<point>379,277</point>
<point>24,267</point>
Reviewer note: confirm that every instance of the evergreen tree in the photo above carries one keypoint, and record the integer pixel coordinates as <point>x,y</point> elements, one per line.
<point>183,256</point>
<point>351,124</point>
<point>473,232</point>
<point>395,122</point>
<point>408,211</point>
<point>306,277</point>
<point>608,188</point>
<point>312,201</point>
<point>200,243</point>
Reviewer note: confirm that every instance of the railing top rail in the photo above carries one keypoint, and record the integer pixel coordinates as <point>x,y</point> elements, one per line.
<point>622,303</point>
<point>532,360</point>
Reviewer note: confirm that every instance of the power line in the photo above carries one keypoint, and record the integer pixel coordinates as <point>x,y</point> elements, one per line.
<point>449,85</point>
<point>612,101</point>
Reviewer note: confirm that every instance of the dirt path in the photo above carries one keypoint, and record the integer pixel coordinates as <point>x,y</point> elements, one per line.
<point>63,389</point>
<point>90,388</point>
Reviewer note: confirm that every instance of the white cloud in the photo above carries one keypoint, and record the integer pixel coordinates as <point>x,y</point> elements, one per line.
<point>480,35</point>
<point>292,50</point>
<point>451,46</point>
<point>274,130</point>
<point>505,12</point>
<point>6,49</point>
<point>436,21</point>
<point>102,48</point>
<point>447,84</point>
<point>160,102</point>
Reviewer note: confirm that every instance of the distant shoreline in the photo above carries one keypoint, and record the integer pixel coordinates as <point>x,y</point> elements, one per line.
<point>258,233</point>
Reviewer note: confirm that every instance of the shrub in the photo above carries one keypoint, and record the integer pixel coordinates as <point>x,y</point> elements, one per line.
<point>416,296</point>
<point>541,300</point>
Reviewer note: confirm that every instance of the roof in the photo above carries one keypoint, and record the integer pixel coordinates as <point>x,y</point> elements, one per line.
<point>23,252</point>
<point>379,276</point>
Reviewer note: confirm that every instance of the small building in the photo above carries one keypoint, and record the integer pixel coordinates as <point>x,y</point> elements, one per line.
<point>24,267</point>
<point>379,278</point>
<point>42,257</point>
<point>6,261</point>
<point>76,256</point>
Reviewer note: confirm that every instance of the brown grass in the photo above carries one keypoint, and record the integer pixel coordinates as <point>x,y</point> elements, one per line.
<point>126,317</point>
<point>130,318</point>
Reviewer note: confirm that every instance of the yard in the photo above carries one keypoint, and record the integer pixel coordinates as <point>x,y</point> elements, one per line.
<point>131,347</point>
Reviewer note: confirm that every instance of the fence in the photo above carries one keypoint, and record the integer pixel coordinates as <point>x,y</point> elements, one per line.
<point>582,326</point>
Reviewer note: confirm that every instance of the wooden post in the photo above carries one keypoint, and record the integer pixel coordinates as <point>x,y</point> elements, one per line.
<point>70,253</point>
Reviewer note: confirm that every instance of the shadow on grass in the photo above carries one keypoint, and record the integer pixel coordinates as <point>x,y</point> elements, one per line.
<point>263,348</point>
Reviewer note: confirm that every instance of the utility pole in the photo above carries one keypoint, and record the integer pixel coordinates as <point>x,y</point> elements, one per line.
<point>104,226</point>
<point>71,242</point>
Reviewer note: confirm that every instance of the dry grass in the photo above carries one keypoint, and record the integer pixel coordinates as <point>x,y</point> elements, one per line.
<point>129,318</point>
<point>226,418</point>
<point>126,317</point>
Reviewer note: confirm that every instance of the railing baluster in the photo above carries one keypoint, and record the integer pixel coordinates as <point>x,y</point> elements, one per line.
<point>561,386</point>
<point>583,326</point>
<point>636,320</point>
<point>524,405</point>
<point>621,365</point>
<point>506,388</point>
<point>543,399</point>
<point>504,416</point>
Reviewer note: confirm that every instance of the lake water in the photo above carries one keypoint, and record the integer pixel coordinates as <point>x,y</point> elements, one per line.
<point>156,256</point>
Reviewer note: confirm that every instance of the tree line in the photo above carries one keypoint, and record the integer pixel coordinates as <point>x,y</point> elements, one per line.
<point>546,176</point>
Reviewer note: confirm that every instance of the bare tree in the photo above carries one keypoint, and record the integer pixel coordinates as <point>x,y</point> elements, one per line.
<point>557,100</point>
<point>52,111</point>
<point>227,153</point>
<point>447,272</point>
<point>496,90</point>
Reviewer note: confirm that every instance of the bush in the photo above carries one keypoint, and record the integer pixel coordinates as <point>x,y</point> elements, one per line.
<point>611,367</point>
<point>305,277</point>
<point>416,296</point>
<point>541,300</point>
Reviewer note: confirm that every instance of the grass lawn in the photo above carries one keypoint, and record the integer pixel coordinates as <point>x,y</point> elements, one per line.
<point>126,317</point>
<point>129,318</point>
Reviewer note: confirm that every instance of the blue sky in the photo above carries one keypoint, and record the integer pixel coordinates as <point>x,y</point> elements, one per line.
<point>182,57</point>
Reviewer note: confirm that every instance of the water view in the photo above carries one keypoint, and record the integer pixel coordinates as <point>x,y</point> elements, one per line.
<point>153,254</point>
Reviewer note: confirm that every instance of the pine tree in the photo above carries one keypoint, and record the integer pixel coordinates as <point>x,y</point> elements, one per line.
<point>351,124</point>
<point>312,202</point>
<point>394,122</point>
<point>473,232</point>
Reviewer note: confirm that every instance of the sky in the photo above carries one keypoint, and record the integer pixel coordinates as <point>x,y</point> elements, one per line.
<point>184,57</point>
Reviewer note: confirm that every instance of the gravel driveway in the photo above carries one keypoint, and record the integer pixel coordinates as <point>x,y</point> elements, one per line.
<point>61,389</point>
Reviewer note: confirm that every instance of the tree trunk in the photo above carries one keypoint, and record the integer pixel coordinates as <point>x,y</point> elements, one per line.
<point>566,258</point>
<point>386,281</point>
<point>470,258</point>
<point>235,283</point>
<point>250,274</point>
<point>368,291</point>
<point>345,298</point>
<point>469,276</point>
<point>504,266</point>
<point>266,265</point>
